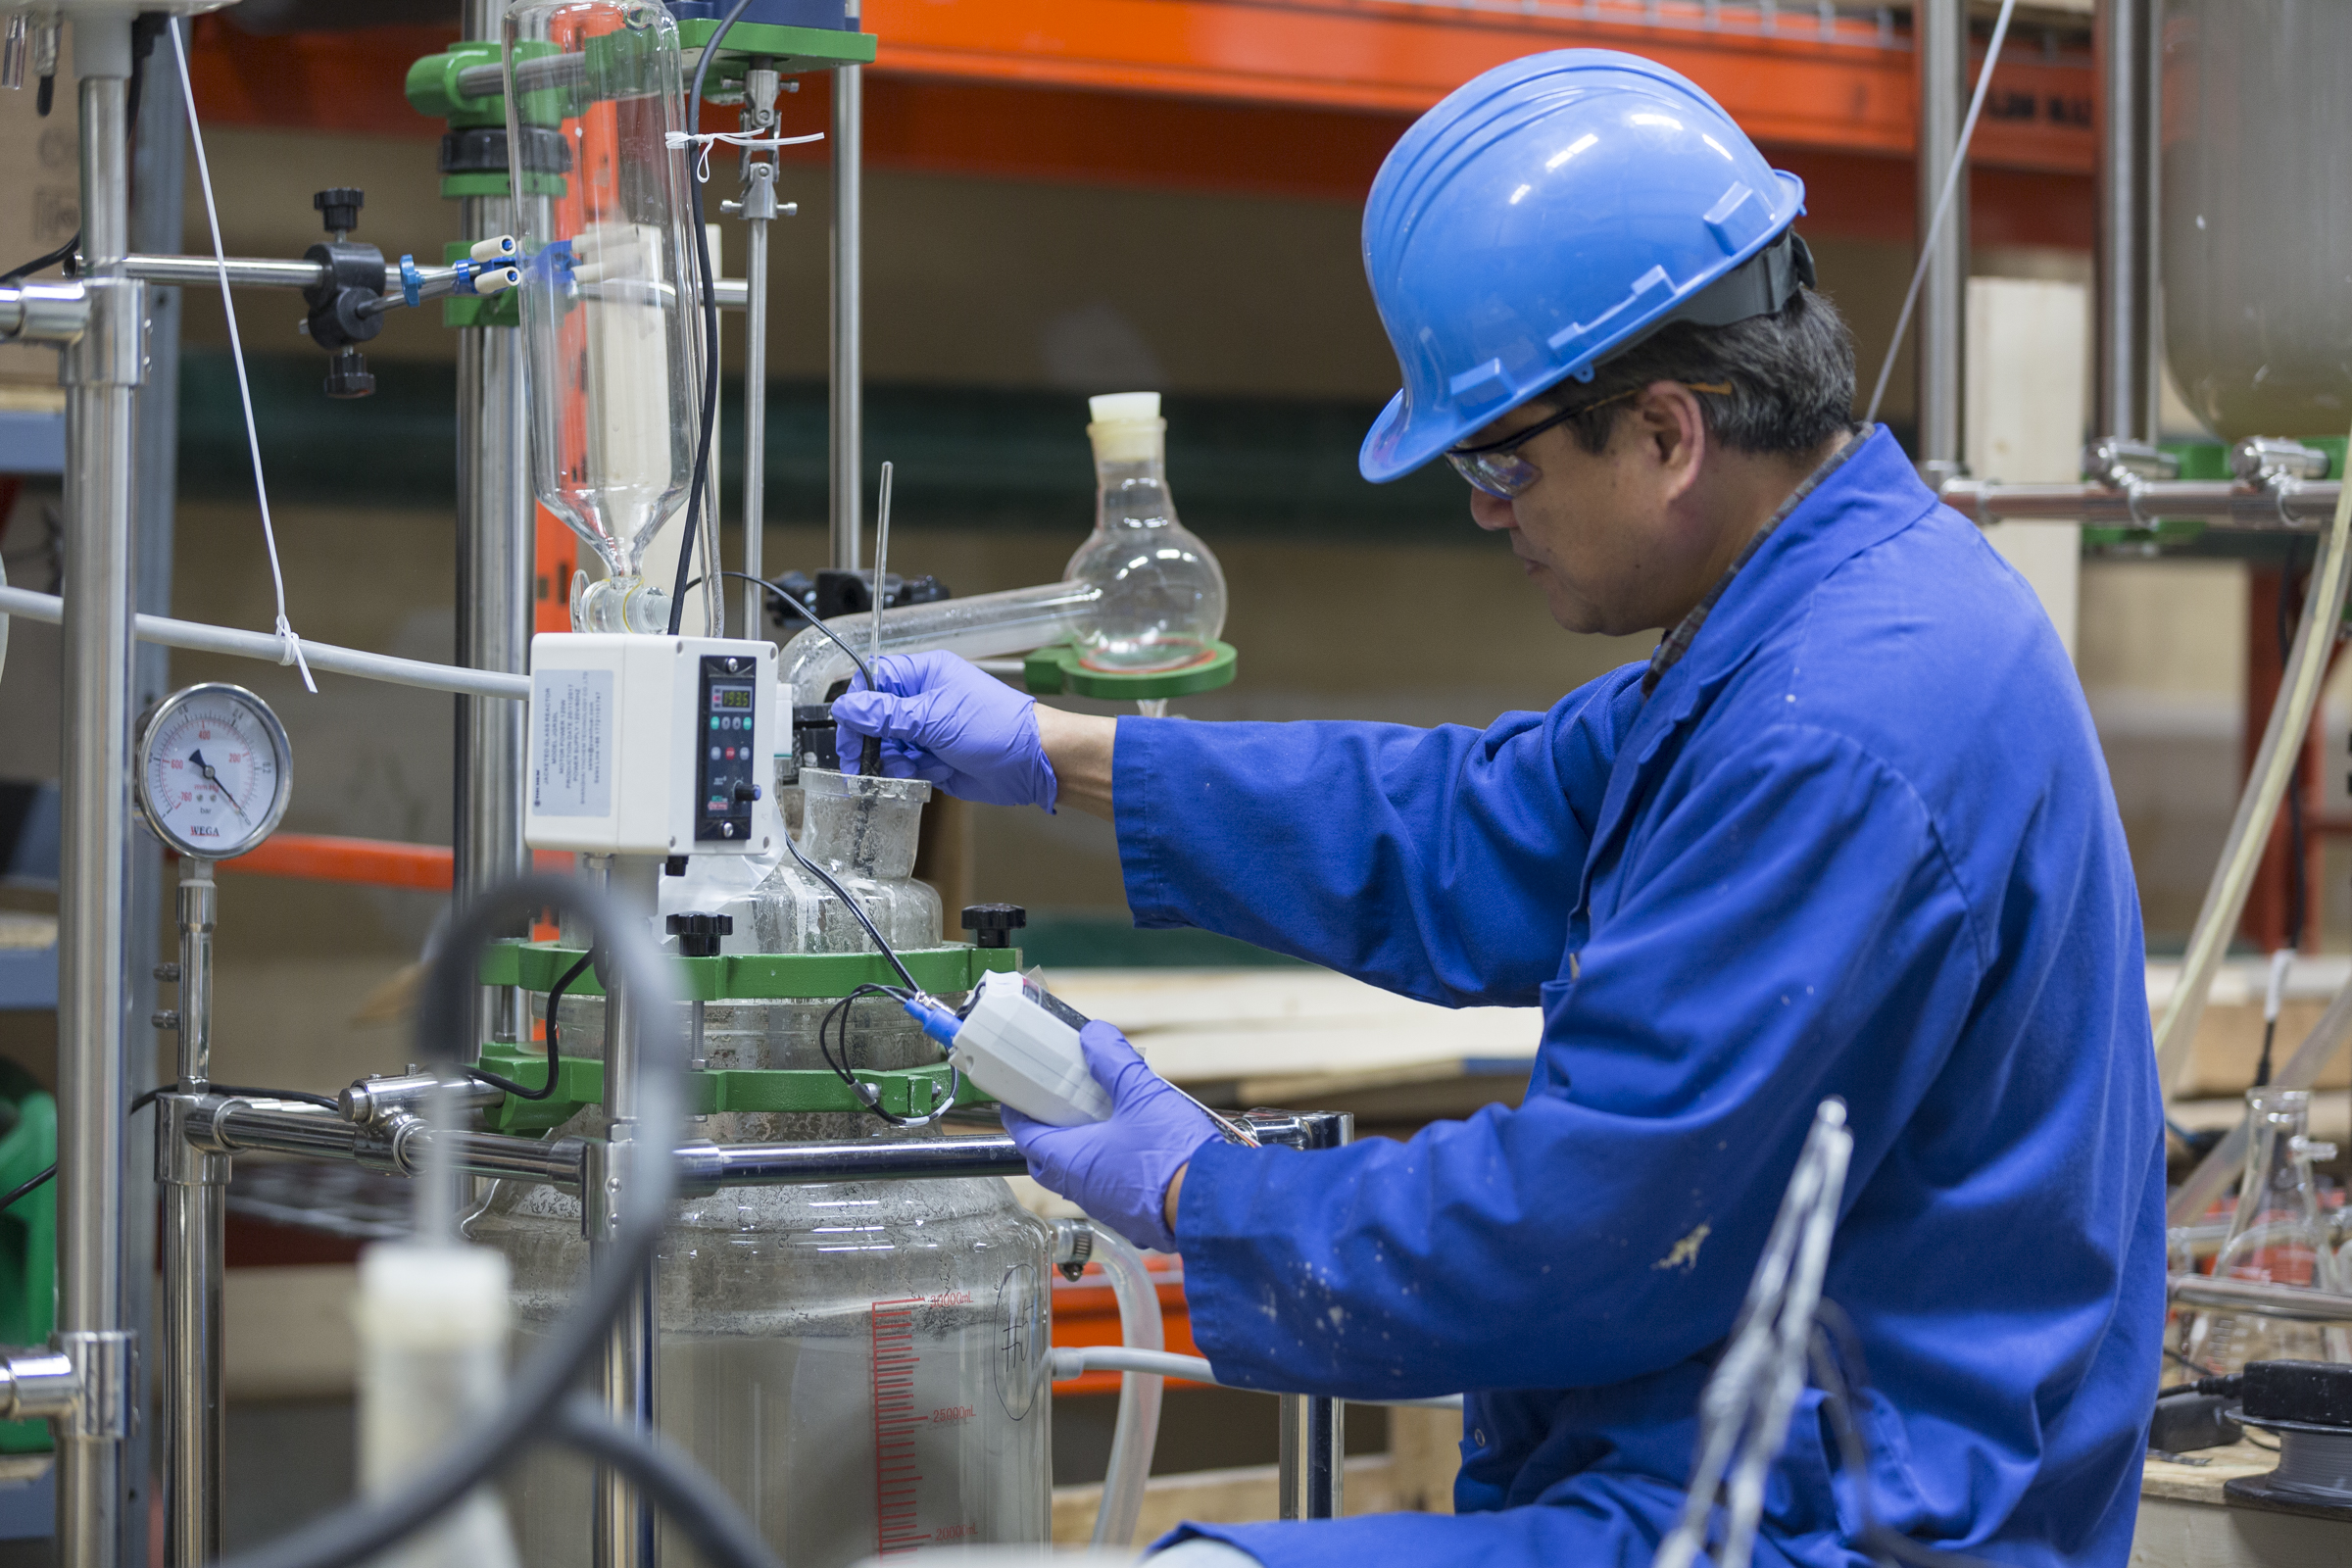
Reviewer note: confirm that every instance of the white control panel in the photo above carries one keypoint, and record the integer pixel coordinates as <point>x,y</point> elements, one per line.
<point>649,745</point>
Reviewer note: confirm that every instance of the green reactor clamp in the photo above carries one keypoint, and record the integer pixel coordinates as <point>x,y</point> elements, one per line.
<point>736,977</point>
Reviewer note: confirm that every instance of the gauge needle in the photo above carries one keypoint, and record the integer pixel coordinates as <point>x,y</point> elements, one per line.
<point>213,779</point>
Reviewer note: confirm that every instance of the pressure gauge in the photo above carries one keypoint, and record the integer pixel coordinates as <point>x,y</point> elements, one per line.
<point>214,770</point>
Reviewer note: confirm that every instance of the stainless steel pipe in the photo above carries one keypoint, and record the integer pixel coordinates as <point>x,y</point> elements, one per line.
<point>2296,504</point>
<point>495,545</point>
<point>2295,1303</point>
<point>1939,44</point>
<point>1312,1471</point>
<point>43,313</point>
<point>262,272</point>
<point>708,1165</point>
<point>845,399</point>
<point>2126,380</point>
<point>195,1185</point>
<point>102,374</point>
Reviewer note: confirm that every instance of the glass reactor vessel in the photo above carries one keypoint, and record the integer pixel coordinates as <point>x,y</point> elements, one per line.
<point>613,340</point>
<point>862,1365</point>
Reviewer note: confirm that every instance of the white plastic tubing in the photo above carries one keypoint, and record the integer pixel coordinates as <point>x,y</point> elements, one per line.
<point>1137,1432</point>
<point>272,650</point>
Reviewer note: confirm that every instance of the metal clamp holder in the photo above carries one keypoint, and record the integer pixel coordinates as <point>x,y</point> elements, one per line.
<point>105,1366</point>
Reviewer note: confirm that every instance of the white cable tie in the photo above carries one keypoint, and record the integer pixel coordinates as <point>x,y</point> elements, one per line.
<point>290,653</point>
<point>733,139</point>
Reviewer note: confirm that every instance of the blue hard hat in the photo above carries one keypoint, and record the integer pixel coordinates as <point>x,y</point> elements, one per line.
<point>1548,212</point>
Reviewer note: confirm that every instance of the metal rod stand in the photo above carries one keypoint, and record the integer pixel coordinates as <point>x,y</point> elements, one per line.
<point>195,1186</point>
<point>103,371</point>
<point>1313,1469</point>
<point>623,1533</point>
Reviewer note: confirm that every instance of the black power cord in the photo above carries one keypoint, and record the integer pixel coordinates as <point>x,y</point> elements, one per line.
<point>722,1537</point>
<point>808,615</point>
<point>555,1045</point>
<point>701,258</point>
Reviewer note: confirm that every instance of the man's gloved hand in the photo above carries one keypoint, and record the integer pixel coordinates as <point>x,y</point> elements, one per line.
<point>942,718</point>
<point>1119,1170</point>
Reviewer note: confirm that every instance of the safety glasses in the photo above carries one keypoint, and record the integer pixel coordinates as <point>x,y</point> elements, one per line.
<point>1497,468</point>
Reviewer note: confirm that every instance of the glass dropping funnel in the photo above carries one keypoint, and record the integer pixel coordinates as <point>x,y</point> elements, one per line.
<point>2278,1236</point>
<point>1159,595</point>
<point>612,336</point>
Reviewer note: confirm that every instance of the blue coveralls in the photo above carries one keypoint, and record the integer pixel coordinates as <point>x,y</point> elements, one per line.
<point>1859,842</point>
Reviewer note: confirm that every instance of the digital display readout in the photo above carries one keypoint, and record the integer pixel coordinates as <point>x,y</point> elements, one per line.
<point>730,698</point>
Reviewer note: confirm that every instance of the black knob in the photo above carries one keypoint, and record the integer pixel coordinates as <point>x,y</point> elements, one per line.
<point>698,934</point>
<point>676,865</point>
<point>745,794</point>
<point>992,924</point>
<point>340,207</point>
<point>167,971</point>
<point>348,376</point>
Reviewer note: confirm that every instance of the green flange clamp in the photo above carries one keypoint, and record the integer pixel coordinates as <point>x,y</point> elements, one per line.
<point>788,51</point>
<point>736,977</point>
<point>760,976</point>
<point>1053,670</point>
<point>906,1092</point>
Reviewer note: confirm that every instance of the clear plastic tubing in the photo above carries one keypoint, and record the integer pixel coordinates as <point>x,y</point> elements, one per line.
<point>1137,1431</point>
<point>988,627</point>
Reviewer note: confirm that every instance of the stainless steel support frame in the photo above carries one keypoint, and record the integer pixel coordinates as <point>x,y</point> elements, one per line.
<point>623,1520</point>
<point>2127,378</point>
<point>495,548</point>
<point>103,371</point>
<point>1313,1455</point>
<point>2280,506</point>
<point>846,401</point>
<point>195,1185</point>
<point>1940,43</point>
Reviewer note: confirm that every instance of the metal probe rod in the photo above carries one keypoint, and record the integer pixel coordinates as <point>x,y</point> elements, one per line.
<point>845,402</point>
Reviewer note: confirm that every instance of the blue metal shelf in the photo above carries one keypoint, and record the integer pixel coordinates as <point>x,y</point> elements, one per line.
<point>32,443</point>
<point>27,979</point>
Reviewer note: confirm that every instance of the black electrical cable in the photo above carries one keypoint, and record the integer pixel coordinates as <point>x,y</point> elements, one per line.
<point>22,1188</point>
<point>555,1045</point>
<point>808,615</point>
<point>705,1513</point>
<point>859,910</point>
<point>836,1022</point>
<point>241,1091</point>
<point>2198,1367</point>
<point>63,253</point>
<point>702,258</point>
<point>358,1531</point>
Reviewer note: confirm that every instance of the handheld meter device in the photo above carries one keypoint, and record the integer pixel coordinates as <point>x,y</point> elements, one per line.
<point>1019,1042</point>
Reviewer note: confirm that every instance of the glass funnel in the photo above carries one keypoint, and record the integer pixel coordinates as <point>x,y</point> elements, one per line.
<point>1159,597</point>
<point>2278,1236</point>
<point>613,344</point>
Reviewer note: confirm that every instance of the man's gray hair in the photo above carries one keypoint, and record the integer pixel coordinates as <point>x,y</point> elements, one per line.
<point>1790,373</point>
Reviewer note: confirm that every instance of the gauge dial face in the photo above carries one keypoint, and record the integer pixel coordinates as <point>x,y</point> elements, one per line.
<point>214,772</point>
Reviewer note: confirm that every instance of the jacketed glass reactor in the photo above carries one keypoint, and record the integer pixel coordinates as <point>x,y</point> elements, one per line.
<point>612,336</point>
<point>864,1365</point>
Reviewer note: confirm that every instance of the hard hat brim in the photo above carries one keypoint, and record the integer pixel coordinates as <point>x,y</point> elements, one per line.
<point>1404,437</point>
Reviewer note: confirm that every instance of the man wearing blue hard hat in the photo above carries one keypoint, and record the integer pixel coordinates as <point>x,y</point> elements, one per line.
<point>1848,831</point>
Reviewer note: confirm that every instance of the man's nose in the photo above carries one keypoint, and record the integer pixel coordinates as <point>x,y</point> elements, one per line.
<point>1492,513</point>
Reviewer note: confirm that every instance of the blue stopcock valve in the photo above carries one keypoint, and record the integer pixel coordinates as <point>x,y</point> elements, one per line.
<point>412,282</point>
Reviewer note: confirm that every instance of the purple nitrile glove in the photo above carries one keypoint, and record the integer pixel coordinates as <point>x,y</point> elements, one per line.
<point>1119,1170</point>
<point>942,718</point>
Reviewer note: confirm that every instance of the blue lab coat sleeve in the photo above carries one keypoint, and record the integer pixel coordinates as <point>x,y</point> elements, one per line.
<point>1454,836</point>
<point>1576,1241</point>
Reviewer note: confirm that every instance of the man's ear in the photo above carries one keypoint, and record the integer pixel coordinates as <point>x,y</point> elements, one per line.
<point>1674,431</point>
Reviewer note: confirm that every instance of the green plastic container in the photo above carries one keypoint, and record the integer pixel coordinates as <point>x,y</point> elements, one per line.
<point>27,1233</point>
